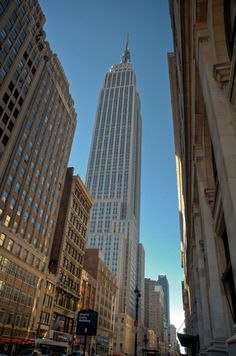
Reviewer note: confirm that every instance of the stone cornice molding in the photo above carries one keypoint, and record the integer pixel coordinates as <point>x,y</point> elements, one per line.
<point>221,73</point>
<point>210,196</point>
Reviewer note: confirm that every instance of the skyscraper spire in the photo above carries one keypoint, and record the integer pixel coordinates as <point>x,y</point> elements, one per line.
<point>126,55</point>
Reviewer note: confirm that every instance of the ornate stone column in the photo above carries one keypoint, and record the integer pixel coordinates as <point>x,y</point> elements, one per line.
<point>201,286</point>
<point>217,308</point>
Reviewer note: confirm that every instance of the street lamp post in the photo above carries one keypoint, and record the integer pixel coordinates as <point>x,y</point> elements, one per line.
<point>138,295</point>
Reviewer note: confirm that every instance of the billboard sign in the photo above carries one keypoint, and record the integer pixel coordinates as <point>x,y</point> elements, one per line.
<point>87,322</point>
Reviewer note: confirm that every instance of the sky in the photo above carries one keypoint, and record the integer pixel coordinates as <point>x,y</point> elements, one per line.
<point>89,36</point>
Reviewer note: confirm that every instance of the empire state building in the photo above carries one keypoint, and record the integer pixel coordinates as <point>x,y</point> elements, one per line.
<point>113,179</point>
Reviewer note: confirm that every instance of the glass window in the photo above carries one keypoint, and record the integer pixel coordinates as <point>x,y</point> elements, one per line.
<point>19,210</point>
<point>7,220</point>
<point>13,202</point>
<point>2,239</point>
<point>4,196</point>
<point>17,187</point>
<point>10,245</point>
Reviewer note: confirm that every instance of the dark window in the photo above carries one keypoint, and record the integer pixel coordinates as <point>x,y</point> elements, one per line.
<point>5,118</point>
<point>33,70</point>
<point>11,86</point>
<point>5,140</point>
<point>16,112</point>
<point>20,101</point>
<point>10,126</point>
<point>29,63</point>
<point>25,55</point>
<point>1,131</point>
<point>1,110</point>
<point>11,105</point>
<point>5,98</point>
<point>16,94</point>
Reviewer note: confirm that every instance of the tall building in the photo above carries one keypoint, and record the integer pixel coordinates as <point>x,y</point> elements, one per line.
<point>113,180</point>
<point>202,74</point>
<point>36,130</point>
<point>163,281</point>
<point>154,308</point>
<point>67,255</point>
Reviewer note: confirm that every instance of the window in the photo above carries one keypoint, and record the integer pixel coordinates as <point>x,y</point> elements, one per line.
<point>4,196</point>
<point>7,220</point>
<point>19,210</point>
<point>9,180</point>
<point>2,239</point>
<point>5,98</point>
<point>10,245</point>
<point>13,202</point>
<point>10,126</point>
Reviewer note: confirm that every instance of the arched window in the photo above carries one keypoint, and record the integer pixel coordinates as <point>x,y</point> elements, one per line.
<point>230,23</point>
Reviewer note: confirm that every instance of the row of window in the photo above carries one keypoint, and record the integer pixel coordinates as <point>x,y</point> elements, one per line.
<point>77,225</point>
<point>79,212</point>
<point>15,294</point>
<point>75,238</point>
<point>69,283</point>
<point>83,202</point>
<point>71,267</point>
<point>18,272</point>
<point>74,253</point>
<point>24,254</point>
<point>14,318</point>
<point>66,301</point>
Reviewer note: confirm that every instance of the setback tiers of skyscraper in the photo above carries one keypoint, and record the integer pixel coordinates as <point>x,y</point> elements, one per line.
<point>113,178</point>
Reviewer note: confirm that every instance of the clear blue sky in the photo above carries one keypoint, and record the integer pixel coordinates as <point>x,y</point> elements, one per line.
<point>89,36</point>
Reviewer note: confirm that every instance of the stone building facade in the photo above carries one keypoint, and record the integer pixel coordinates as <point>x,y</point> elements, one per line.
<point>67,256</point>
<point>202,75</point>
<point>37,125</point>
<point>154,308</point>
<point>106,292</point>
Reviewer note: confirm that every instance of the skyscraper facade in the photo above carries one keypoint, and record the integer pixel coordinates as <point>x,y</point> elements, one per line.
<point>113,178</point>
<point>154,309</point>
<point>36,131</point>
<point>163,281</point>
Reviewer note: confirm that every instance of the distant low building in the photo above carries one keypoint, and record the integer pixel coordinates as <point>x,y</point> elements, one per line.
<point>105,300</point>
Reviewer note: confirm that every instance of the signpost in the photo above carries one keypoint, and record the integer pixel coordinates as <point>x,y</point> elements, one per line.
<point>87,324</point>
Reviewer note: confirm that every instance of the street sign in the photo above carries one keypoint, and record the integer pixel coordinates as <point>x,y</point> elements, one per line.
<point>87,322</point>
